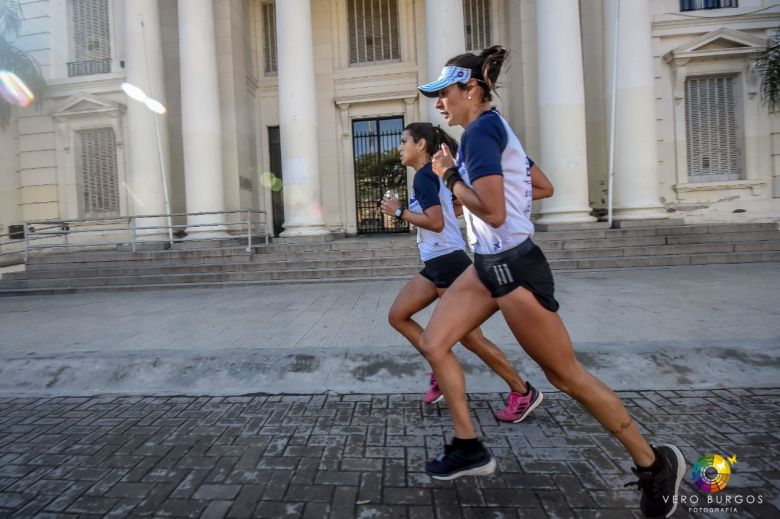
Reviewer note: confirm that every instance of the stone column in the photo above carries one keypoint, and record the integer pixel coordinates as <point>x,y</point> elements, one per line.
<point>562,131</point>
<point>200,114</point>
<point>298,120</point>
<point>444,39</point>
<point>635,190</point>
<point>148,157</point>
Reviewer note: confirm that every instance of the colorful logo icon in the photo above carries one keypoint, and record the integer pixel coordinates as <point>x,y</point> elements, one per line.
<point>711,472</point>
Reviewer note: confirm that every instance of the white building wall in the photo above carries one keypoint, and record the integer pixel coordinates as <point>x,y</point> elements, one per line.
<point>10,211</point>
<point>343,93</point>
<point>756,195</point>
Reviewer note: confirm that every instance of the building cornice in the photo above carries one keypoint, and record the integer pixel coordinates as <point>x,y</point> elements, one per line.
<point>738,43</point>
<point>696,23</point>
<point>98,84</point>
<point>379,96</point>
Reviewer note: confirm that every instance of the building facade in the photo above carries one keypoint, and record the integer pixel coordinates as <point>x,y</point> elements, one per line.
<point>293,107</point>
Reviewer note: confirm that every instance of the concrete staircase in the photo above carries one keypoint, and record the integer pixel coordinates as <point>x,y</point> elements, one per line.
<point>374,258</point>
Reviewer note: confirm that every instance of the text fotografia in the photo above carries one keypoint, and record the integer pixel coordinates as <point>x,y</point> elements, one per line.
<point>715,503</point>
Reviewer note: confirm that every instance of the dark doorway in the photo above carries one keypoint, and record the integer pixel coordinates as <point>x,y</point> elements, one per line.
<point>274,180</point>
<point>378,169</point>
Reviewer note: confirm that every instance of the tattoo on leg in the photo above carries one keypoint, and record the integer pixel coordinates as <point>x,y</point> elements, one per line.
<point>623,426</point>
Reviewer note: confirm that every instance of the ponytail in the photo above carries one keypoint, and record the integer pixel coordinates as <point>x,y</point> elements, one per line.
<point>485,67</point>
<point>494,58</point>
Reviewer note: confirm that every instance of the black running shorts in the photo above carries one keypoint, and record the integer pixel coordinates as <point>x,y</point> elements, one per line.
<point>444,270</point>
<point>522,266</point>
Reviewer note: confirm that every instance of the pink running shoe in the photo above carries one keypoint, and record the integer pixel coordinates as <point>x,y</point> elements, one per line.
<point>519,406</point>
<point>433,394</point>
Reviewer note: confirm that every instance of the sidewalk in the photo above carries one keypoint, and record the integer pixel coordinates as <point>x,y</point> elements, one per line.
<point>301,401</point>
<point>659,329</point>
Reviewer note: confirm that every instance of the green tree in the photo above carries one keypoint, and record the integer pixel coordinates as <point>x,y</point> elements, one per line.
<point>376,173</point>
<point>13,59</point>
<point>768,69</point>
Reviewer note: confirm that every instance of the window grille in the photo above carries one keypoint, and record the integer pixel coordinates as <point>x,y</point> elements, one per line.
<point>99,179</point>
<point>476,24</point>
<point>695,5</point>
<point>91,36</point>
<point>711,130</point>
<point>269,37</point>
<point>373,31</point>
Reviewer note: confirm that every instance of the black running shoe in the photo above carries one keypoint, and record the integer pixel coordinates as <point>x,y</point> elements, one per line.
<point>453,463</point>
<point>659,491</point>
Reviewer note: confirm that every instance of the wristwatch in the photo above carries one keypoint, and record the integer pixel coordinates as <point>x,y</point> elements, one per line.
<point>398,212</point>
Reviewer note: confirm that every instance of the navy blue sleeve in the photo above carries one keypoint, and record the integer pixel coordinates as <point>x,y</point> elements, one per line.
<point>530,162</point>
<point>426,188</point>
<point>483,145</point>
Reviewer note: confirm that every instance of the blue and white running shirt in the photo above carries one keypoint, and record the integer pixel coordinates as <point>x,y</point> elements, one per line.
<point>490,147</point>
<point>427,191</point>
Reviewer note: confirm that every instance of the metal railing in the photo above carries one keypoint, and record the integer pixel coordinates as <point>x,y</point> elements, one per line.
<point>87,68</point>
<point>132,231</point>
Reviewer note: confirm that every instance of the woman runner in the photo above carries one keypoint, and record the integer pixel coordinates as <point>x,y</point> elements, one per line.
<point>441,245</point>
<point>490,178</point>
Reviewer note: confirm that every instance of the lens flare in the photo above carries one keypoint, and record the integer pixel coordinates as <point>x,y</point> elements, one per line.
<point>13,89</point>
<point>133,92</point>
<point>154,105</point>
<point>271,181</point>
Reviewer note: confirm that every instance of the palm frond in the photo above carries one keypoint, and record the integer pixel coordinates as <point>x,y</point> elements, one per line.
<point>767,67</point>
<point>15,60</point>
<point>10,18</point>
<point>26,68</point>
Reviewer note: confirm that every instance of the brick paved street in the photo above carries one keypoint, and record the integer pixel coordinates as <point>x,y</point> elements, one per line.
<point>332,455</point>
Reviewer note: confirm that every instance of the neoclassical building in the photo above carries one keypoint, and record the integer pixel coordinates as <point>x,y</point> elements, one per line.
<point>294,107</point>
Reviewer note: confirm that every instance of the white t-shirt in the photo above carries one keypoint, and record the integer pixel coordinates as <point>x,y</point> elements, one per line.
<point>490,147</point>
<point>427,191</point>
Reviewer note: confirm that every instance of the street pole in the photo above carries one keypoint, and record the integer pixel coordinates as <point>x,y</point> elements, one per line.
<point>611,174</point>
<point>163,176</point>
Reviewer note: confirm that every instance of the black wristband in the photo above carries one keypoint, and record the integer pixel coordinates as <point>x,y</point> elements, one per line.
<point>450,177</point>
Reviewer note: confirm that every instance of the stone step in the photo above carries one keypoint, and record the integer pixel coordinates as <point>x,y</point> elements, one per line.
<point>390,248</point>
<point>363,273</point>
<point>246,266</point>
<point>407,240</point>
<point>170,286</point>
<point>255,275</point>
<point>250,263</point>
<point>216,258</point>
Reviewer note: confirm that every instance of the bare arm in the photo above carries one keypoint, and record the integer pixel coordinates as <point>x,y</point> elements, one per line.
<point>457,206</point>
<point>541,187</point>
<point>431,219</point>
<point>486,196</point>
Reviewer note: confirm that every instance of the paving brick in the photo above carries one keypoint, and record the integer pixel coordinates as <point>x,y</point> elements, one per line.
<point>181,508</point>
<point>337,478</point>
<point>406,496</point>
<point>216,510</point>
<point>343,455</point>
<point>210,492</point>
<point>189,484</point>
<point>279,510</point>
<point>370,487</point>
<point>344,501</point>
<point>92,505</point>
<point>246,501</point>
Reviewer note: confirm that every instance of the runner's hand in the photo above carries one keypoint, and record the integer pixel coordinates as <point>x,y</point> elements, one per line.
<point>443,160</point>
<point>389,205</point>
